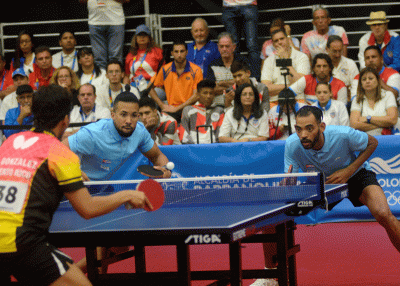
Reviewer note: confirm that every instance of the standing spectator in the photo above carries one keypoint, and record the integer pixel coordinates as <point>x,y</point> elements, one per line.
<point>6,82</point>
<point>373,110</point>
<point>241,75</point>
<point>246,121</point>
<point>314,41</point>
<point>87,110</point>
<point>389,78</point>
<point>162,127</point>
<point>271,74</point>
<point>203,114</point>
<point>387,41</point>
<point>107,93</point>
<point>65,77</point>
<point>238,14</point>
<point>268,48</point>
<point>10,101</point>
<point>219,70</point>
<point>322,68</point>
<point>179,79</point>
<point>143,60</point>
<point>21,115</point>
<point>89,71</point>
<point>344,68</point>
<point>106,29</point>
<point>68,55</point>
<point>334,111</point>
<point>24,56</point>
<point>202,51</point>
<point>42,68</point>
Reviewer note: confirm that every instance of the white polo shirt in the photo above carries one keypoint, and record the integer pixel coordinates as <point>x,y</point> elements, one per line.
<point>77,116</point>
<point>346,71</point>
<point>334,113</point>
<point>61,59</point>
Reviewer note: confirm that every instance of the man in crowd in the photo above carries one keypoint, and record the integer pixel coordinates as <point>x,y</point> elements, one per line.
<point>68,55</point>
<point>201,51</point>
<point>88,110</point>
<point>162,127</point>
<point>271,74</point>
<point>314,41</point>
<point>241,75</point>
<point>42,68</point>
<point>390,79</point>
<point>220,69</point>
<point>344,68</point>
<point>322,68</point>
<point>201,122</point>
<point>179,79</point>
<point>383,38</point>
<point>21,115</point>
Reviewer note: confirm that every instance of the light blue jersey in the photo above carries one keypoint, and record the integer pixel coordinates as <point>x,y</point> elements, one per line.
<point>102,149</point>
<point>338,152</point>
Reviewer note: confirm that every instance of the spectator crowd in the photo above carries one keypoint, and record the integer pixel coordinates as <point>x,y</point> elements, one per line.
<point>210,92</point>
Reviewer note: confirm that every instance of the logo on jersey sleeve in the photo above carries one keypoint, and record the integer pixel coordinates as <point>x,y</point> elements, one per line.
<point>21,143</point>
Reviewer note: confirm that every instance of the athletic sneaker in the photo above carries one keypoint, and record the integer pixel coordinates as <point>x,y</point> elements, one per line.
<point>265,282</point>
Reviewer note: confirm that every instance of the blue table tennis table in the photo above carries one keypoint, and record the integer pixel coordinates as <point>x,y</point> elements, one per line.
<point>193,223</point>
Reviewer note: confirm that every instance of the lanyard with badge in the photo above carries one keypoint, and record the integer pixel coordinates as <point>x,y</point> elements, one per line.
<point>110,96</point>
<point>3,80</point>
<point>73,63</point>
<point>84,116</point>
<point>139,82</point>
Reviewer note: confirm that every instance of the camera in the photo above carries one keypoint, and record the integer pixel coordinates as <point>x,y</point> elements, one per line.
<point>283,62</point>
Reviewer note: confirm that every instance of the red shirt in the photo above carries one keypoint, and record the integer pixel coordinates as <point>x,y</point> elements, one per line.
<point>36,79</point>
<point>5,79</point>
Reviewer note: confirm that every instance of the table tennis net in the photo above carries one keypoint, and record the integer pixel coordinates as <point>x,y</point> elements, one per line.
<point>256,189</point>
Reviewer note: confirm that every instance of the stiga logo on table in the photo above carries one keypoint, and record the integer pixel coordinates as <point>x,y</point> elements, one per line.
<point>203,238</point>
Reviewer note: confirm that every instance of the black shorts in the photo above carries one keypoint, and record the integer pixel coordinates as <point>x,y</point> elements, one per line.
<point>358,183</point>
<point>42,264</point>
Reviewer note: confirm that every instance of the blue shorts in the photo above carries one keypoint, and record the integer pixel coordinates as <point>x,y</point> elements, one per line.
<point>41,264</point>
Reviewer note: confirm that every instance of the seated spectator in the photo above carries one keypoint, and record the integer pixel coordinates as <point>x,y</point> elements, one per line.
<point>10,101</point>
<point>241,75</point>
<point>87,110</point>
<point>373,110</point>
<point>334,111</point>
<point>314,41</point>
<point>344,68</point>
<point>21,115</point>
<point>68,55</point>
<point>380,36</point>
<point>322,68</point>
<point>6,82</point>
<point>268,48</point>
<point>246,121</point>
<point>107,93</point>
<point>179,79</point>
<point>271,74</point>
<point>204,114</point>
<point>202,51</point>
<point>162,127</point>
<point>219,70</point>
<point>42,68</point>
<point>88,71</point>
<point>287,105</point>
<point>24,55</point>
<point>389,78</point>
<point>65,77</point>
<point>144,59</point>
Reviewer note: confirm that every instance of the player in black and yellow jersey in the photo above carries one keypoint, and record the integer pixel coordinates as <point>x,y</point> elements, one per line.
<point>36,171</point>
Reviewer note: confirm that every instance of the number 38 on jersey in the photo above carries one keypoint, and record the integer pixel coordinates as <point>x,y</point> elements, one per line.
<point>12,196</point>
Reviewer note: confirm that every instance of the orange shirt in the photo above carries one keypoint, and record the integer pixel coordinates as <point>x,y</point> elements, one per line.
<point>178,88</point>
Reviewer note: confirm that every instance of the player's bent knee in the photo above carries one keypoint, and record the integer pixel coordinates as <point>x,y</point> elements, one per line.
<point>73,277</point>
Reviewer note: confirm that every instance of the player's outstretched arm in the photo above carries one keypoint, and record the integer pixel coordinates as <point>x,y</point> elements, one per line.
<point>158,159</point>
<point>88,206</point>
<point>343,175</point>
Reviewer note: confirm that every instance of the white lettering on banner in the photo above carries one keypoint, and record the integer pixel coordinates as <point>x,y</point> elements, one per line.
<point>203,238</point>
<point>394,182</point>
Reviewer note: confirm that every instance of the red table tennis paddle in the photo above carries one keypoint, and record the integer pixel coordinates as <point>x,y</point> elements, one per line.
<point>153,191</point>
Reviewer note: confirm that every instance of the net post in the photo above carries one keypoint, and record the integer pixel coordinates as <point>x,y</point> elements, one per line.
<point>321,185</point>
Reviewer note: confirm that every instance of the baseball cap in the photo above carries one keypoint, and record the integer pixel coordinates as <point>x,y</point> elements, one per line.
<point>142,29</point>
<point>19,71</point>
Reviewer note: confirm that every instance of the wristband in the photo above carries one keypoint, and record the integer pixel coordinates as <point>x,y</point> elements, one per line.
<point>369,119</point>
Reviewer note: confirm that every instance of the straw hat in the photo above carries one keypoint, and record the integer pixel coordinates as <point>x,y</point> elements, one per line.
<point>377,18</point>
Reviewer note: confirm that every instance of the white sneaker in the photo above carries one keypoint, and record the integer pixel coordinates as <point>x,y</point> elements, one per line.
<point>265,282</point>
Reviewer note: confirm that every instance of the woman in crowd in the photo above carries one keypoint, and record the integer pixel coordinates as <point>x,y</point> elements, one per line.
<point>65,77</point>
<point>246,121</point>
<point>334,111</point>
<point>143,59</point>
<point>373,110</point>
<point>88,71</point>
<point>24,56</point>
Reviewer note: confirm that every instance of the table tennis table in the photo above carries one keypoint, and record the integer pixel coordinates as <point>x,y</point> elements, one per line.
<point>229,211</point>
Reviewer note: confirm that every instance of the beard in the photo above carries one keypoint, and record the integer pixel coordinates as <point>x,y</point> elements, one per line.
<point>311,143</point>
<point>123,133</point>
